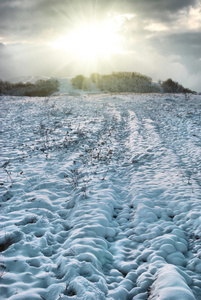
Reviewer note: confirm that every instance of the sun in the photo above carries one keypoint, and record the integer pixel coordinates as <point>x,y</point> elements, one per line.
<point>91,42</point>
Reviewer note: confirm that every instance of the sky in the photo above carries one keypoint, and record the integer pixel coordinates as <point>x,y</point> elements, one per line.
<point>64,38</point>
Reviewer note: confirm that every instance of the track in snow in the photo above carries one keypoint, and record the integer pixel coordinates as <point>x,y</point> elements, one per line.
<point>100,197</point>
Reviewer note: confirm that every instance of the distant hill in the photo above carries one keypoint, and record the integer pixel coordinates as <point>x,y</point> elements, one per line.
<point>26,79</point>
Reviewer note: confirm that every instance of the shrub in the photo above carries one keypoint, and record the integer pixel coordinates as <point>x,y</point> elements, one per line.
<point>170,86</point>
<point>77,82</point>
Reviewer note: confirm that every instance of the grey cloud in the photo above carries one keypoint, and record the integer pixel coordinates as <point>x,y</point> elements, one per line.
<point>186,46</point>
<point>165,5</point>
<point>162,10</point>
<point>186,43</point>
<point>28,19</point>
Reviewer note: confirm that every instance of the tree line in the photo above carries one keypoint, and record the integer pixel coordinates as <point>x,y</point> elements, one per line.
<point>119,82</point>
<point>127,82</point>
<point>40,88</point>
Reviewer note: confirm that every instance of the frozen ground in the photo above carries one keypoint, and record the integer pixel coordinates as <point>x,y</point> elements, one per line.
<point>100,197</point>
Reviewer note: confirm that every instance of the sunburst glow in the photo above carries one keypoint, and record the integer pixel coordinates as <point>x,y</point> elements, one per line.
<point>91,42</point>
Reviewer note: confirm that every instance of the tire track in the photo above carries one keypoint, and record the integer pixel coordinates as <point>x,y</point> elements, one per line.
<point>104,213</point>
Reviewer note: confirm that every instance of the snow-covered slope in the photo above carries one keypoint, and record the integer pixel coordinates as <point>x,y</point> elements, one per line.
<point>26,79</point>
<point>66,88</point>
<point>100,197</point>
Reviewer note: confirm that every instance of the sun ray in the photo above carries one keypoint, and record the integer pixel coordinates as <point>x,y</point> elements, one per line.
<point>91,42</point>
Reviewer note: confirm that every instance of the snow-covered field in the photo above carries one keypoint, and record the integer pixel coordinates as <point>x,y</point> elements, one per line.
<point>100,197</point>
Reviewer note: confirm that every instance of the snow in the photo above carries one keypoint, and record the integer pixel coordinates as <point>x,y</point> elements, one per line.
<point>26,79</point>
<point>100,197</point>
